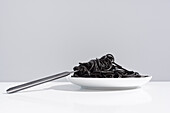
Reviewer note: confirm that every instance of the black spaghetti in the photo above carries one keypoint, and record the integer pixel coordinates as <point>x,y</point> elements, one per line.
<point>105,67</point>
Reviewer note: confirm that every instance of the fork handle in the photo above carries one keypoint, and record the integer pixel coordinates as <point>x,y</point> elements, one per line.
<point>37,82</point>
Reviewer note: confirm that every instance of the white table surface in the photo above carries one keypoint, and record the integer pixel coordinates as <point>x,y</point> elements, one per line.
<point>64,97</point>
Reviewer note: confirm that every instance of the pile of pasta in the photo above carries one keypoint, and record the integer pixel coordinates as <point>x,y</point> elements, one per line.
<point>104,67</point>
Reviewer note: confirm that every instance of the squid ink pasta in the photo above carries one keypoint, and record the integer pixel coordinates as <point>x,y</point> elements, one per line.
<point>104,67</point>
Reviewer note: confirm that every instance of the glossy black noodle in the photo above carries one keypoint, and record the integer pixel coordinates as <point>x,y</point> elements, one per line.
<point>105,67</point>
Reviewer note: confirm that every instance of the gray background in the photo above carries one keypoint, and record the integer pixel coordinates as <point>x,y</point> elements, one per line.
<point>43,37</point>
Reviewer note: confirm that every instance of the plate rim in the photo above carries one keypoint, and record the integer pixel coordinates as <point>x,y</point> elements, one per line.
<point>69,77</point>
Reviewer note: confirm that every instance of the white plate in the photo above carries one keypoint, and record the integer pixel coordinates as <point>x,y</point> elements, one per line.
<point>109,83</point>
